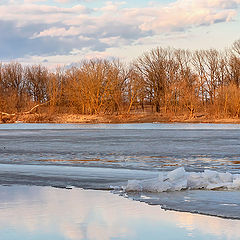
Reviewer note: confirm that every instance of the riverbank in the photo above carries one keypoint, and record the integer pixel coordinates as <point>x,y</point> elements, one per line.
<point>120,118</point>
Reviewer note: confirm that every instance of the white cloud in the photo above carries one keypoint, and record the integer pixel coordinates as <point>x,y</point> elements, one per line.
<point>58,32</point>
<point>113,24</point>
<point>180,14</point>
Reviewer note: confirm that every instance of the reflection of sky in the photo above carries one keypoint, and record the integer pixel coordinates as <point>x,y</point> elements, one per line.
<point>48,213</point>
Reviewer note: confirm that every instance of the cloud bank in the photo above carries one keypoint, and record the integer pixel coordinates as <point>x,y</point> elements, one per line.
<point>62,27</point>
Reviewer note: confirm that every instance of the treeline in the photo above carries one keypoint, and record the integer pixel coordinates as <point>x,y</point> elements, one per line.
<point>164,80</point>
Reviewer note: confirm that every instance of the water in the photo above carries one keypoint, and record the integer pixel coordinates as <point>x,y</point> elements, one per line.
<point>49,213</point>
<point>132,146</point>
<point>106,156</point>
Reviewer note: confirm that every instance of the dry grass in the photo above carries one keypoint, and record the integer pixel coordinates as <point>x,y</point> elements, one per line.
<point>147,117</point>
<point>125,118</point>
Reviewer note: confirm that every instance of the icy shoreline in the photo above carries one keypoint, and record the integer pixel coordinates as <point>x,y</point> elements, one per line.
<point>173,190</point>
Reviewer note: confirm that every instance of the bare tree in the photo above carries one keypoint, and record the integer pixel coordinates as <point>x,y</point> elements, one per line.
<point>13,85</point>
<point>37,78</point>
<point>155,68</point>
<point>236,47</point>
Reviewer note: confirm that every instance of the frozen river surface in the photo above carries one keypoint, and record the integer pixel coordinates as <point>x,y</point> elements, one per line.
<point>106,156</point>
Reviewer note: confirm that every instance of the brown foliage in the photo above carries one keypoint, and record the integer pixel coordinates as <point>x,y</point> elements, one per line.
<point>165,80</point>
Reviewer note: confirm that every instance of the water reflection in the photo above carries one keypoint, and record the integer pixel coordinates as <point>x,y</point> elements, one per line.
<point>48,213</point>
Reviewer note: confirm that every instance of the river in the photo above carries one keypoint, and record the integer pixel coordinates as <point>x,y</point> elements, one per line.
<point>131,160</point>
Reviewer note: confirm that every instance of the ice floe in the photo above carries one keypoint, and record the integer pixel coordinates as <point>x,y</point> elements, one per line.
<point>179,179</point>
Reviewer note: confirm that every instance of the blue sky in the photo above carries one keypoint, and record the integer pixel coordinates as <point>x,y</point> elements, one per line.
<point>64,31</point>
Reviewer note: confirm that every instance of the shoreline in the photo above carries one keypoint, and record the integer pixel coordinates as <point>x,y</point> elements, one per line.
<point>116,119</point>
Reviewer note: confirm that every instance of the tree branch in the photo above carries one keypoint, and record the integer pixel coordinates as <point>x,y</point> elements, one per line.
<point>23,113</point>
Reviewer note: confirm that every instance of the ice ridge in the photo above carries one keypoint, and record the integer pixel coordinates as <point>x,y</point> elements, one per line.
<point>179,179</point>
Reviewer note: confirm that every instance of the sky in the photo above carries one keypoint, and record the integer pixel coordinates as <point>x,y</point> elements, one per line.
<point>60,32</point>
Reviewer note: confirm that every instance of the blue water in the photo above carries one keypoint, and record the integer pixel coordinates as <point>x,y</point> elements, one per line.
<point>132,146</point>
<point>106,156</point>
<point>48,213</point>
